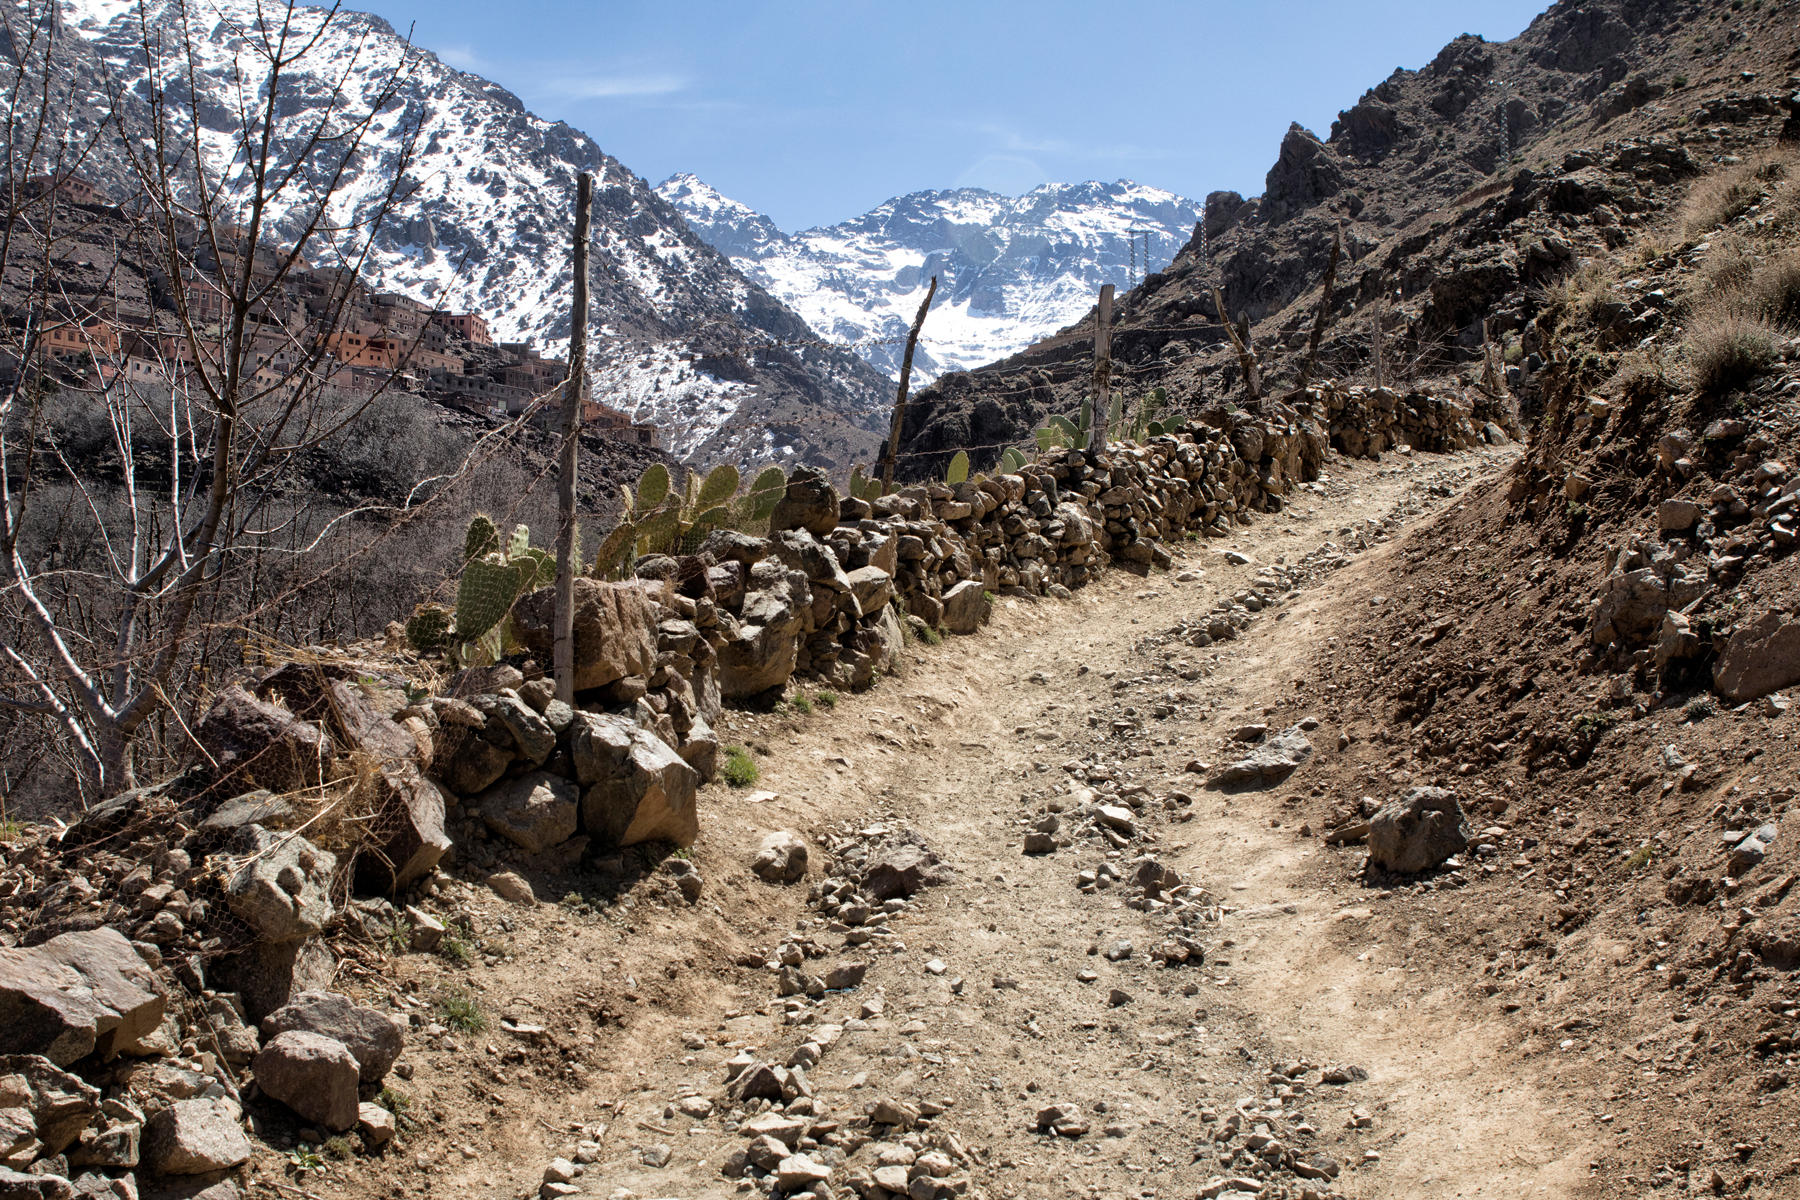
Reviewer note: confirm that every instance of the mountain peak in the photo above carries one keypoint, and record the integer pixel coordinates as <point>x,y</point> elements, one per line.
<point>1011,269</point>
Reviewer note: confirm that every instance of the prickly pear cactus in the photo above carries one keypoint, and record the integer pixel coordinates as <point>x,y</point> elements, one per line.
<point>486,591</point>
<point>958,471</point>
<point>1012,461</point>
<point>482,538</point>
<point>720,486</point>
<point>766,491</point>
<point>652,489</point>
<point>659,533</point>
<point>614,548</point>
<point>428,629</point>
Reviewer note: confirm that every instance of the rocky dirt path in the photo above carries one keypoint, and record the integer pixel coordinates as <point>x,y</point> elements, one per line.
<point>1299,1053</point>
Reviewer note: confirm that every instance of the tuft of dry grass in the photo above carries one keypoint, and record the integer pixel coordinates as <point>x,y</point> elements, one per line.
<point>1642,375</point>
<point>1728,346</point>
<point>1722,197</point>
<point>1775,290</point>
<point>1729,267</point>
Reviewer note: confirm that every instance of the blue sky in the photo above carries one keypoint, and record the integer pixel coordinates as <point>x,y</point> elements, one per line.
<point>815,111</point>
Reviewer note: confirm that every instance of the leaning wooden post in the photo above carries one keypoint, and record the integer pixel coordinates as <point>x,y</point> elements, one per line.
<point>912,340</point>
<point>1380,353</point>
<point>564,644</point>
<point>1246,359</point>
<point>1102,369</point>
<point>1312,346</point>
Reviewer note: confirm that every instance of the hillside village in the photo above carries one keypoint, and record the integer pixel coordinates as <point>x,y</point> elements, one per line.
<point>115,325</point>
<point>1355,760</point>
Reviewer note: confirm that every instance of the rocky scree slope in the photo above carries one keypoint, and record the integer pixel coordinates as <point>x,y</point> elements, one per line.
<point>1597,659</point>
<point>1461,189</point>
<point>170,952</point>
<point>1011,269</point>
<point>483,226</point>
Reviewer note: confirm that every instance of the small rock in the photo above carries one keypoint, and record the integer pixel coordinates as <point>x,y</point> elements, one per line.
<point>782,858</point>
<point>512,888</point>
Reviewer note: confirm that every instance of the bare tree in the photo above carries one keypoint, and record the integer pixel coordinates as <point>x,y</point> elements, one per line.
<point>252,354</point>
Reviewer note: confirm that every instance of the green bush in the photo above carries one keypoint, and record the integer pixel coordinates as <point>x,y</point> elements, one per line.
<point>740,770</point>
<point>802,705</point>
<point>827,699</point>
<point>459,1009</point>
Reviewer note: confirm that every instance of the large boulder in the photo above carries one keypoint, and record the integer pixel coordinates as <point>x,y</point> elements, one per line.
<point>1631,608</point>
<point>76,994</point>
<point>534,812</point>
<point>18,1185</point>
<point>316,1076</point>
<point>195,1137</point>
<point>266,975</point>
<point>637,788</point>
<point>1760,658</point>
<point>1417,832</point>
<point>615,630</point>
<point>370,1036</point>
<point>965,607</point>
<point>761,651</point>
<point>283,890</point>
<point>257,743</point>
<point>810,503</point>
<point>901,870</point>
<point>872,587</point>
<point>1270,762</point>
<point>42,1108</point>
<point>406,838</point>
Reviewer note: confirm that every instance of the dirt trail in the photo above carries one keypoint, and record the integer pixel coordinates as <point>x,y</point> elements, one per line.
<point>1002,992</point>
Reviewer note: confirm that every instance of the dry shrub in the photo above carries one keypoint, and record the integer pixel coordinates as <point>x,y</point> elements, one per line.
<point>1730,266</point>
<point>1775,290</point>
<point>1727,346</point>
<point>1642,376</point>
<point>1578,295</point>
<point>1720,198</point>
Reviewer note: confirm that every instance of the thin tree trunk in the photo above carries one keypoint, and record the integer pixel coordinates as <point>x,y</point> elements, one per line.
<point>1241,344</point>
<point>1318,329</point>
<point>912,340</point>
<point>1102,368</point>
<point>563,647</point>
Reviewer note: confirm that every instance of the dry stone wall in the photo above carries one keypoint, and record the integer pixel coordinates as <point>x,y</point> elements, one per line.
<point>194,922</point>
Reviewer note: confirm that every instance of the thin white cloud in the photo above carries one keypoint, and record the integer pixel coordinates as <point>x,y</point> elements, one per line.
<point>463,58</point>
<point>609,87</point>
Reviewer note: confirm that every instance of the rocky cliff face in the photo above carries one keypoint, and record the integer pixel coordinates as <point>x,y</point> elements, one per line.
<point>1460,190</point>
<point>684,341</point>
<point>1011,269</point>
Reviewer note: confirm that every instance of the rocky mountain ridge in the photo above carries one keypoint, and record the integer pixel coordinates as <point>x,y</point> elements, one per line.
<point>1011,269</point>
<point>1460,189</point>
<point>681,339</point>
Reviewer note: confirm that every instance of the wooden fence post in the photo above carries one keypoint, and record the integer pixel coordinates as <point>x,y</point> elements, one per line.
<point>563,646</point>
<point>1380,354</point>
<point>1240,342</point>
<point>1312,346</point>
<point>1102,369</point>
<point>912,340</point>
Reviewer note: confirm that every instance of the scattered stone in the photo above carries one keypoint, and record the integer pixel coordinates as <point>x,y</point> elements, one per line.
<point>534,812</point>
<point>1270,762</point>
<point>512,888</point>
<point>195,1137</point>
<point>370,1036</point>
<point>315,1076</point>
<point>1417,832</point>
<point>782,857</point>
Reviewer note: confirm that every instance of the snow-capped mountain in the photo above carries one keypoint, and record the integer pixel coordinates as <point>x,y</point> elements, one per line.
<point>1011,269</point>
<point>485,228</point>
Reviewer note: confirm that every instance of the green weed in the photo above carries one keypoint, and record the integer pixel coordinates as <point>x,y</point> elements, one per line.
<point>740,770</point>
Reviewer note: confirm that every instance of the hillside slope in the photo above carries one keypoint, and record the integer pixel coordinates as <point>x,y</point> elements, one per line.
<point>1461,189</point>
<point>1010,269</point>
<point>682,339</point>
